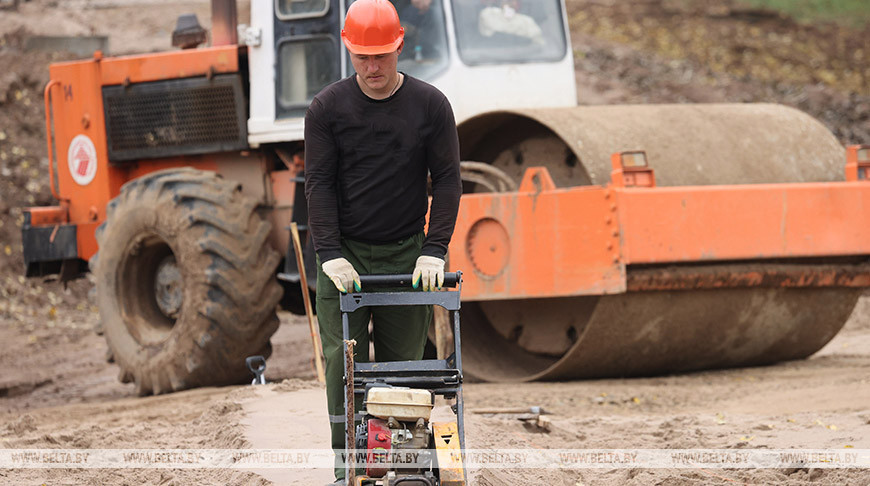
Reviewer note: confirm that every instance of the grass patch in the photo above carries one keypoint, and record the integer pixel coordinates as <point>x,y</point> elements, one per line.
<point>854,13</point>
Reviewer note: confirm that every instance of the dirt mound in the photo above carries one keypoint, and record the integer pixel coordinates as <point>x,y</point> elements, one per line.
<point>655,51</point>
<point>23,164</point>
<point>729,37</point>
<point>131,26</point>
<point>24,182</point>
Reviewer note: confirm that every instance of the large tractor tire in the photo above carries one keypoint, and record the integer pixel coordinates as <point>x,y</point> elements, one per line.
<point>185,281</point>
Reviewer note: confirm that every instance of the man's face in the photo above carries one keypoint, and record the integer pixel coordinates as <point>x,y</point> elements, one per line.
<point>378,72</point>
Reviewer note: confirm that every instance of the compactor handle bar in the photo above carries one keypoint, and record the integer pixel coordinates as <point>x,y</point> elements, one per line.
<point>450,280</point>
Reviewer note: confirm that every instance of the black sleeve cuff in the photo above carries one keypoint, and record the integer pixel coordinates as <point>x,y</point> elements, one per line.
<point>432,251</point>
<point>326,255</point>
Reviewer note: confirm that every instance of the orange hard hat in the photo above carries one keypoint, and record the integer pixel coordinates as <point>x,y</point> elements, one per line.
<point>372,27</point>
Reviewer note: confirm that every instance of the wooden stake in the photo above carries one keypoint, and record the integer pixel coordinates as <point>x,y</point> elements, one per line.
<point>303,280</point>
<point>350,412</point>
<point>443,329</point>
<point>443,332</point>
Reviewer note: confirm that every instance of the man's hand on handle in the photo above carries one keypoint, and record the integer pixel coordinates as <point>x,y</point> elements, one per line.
<point>342,274</point>
<point>430,271</point>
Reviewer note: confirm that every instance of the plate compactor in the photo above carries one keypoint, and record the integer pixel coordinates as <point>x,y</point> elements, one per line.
<point>396,439</point>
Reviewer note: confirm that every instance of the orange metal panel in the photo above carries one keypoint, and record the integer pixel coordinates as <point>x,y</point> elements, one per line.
<point>539,243</point>
<point>170,65</point>
<point>858,162</point>
<point>630,170</point>
<point>283,193</point>
<point>283,187</point>
<point>85,177</point>
<point>48,137</point>
<point>87,240</point>
<point>48,215</point>
<point>708,223</point>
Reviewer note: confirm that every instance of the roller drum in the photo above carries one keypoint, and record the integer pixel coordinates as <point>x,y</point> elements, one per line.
<point>648,333</point>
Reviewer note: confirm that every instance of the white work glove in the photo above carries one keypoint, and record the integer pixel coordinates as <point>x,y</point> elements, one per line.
<point>342,274</point>
<point>429,270</point>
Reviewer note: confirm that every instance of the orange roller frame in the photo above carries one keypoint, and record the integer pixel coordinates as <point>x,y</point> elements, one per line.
<point>547,242</point>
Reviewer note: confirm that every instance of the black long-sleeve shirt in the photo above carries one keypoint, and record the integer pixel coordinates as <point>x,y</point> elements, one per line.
<point>366,163</point>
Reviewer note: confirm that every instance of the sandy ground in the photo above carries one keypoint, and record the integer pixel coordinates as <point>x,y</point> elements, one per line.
<point>58,391</point>
<point>818,403</point>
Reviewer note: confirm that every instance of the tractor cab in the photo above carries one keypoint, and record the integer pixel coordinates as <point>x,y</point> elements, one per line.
<point>483,54</point>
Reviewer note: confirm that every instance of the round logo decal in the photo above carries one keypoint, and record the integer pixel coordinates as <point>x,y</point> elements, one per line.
<point>82,159</point>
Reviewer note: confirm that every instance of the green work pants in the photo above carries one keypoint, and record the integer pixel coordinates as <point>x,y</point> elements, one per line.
<point>399,333</point>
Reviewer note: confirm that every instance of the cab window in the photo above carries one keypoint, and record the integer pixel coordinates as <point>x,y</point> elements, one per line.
<point>297,9</point>
<point>306,66</point>
<point>509,31</point>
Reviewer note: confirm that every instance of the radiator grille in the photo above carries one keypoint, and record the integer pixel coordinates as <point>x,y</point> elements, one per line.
<point>177,117</point>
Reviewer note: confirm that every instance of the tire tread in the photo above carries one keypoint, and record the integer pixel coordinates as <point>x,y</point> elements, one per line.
<point>236,315</point>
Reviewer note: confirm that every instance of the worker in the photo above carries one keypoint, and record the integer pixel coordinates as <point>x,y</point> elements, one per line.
<point>370,140</point>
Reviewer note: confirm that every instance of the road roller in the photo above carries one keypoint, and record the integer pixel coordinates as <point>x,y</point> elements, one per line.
<point>595,240</point>
<point>735,237</point>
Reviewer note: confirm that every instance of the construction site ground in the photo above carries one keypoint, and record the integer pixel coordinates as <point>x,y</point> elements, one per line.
<point>58,391</point>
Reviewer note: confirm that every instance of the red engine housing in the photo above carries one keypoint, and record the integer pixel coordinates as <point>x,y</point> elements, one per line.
<point>380,441</point>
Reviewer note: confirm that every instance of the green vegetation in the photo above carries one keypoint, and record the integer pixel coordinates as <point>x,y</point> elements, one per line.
<point>855,13</point>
